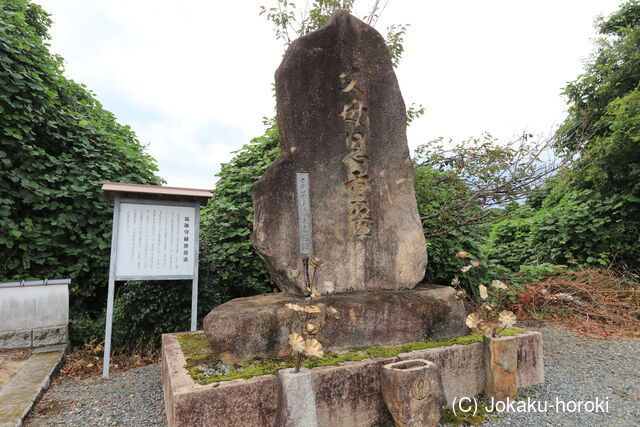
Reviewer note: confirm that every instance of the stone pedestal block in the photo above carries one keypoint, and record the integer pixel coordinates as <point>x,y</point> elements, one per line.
<point>15,339</point>
<point>501,365</point>
<point>347,395</point>
<point>248,328</point>
<point>49,336</point>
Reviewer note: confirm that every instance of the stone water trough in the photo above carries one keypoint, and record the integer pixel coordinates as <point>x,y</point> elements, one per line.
<point>347,395</point>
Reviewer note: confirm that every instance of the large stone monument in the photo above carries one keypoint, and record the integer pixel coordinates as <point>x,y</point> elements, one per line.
<point>342,122</point>
<point>335,215</point>
<point>337,225</point>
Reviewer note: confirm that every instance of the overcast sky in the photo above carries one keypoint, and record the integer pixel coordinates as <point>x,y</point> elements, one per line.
<point>193,78</point>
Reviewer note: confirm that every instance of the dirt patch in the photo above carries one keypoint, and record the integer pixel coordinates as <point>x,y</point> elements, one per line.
<point>87,362</point>
<point>52,407</point>
<point>10,362</point>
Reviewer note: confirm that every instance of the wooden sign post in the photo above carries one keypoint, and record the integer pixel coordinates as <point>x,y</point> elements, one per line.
<point>155,236</point>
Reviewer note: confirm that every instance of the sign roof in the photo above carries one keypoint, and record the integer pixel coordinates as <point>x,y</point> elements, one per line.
<point>155,192</point>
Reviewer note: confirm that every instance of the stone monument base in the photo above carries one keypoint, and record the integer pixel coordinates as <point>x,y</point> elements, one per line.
<point>347,395</point>
<point>259,326</point>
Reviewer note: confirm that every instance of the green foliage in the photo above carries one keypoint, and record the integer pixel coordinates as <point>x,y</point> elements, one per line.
<point>611,164</point>
<point>510,239</point>
<point>226,254</point>
<point>436,189</point>
<point>603,124</point>
<point>602,131</point>
<point>611,73</point>
<point>143,311</point>
<point>57,144</point>
<point>533,273</point>
<point>395,41</point>
<point>573,227</point>
<point>464,189</point>
<point>290,22</point>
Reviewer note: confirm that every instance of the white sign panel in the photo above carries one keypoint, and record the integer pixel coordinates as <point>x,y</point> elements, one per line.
<point>155,240</point>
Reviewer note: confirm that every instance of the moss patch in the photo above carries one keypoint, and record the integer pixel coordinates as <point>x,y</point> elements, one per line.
<point>472,418</point>
<point>205,368</point>
<point>196,350</point>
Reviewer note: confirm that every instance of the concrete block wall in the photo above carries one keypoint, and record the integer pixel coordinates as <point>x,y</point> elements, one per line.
<point>33,316</point>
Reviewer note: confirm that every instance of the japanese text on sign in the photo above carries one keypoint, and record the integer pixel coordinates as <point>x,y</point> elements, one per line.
<point>155,240</point>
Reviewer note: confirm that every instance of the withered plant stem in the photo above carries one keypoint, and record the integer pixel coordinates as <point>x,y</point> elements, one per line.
<point>298,362</point>
<point>307,280</point>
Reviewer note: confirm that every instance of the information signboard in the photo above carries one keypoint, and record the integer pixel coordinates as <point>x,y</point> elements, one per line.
<point>155,241</point>
<point>154,237</point>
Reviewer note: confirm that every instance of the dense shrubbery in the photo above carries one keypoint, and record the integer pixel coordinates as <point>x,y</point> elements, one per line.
<point>435,189</point>
<point>57,144</point>
<point>227,256</point>
<point>574,228</point>
<point>590,215</point>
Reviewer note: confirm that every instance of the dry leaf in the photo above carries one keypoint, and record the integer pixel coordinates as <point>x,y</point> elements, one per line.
<point>314,291</point>
<point>313,348</point>
<point>297,343</point>
<point>487,306</point>
<point>333,313</point>
<point>455,281</point>
<point>507,318</point>
<point>310,327</point>
<point>294,307</point>
<point>461,294</point>
<point>488,326</point>
<point>462,254</point>
<point>315,261</point>
<point>475,262</point>
<point>312,309</point>
<point>352,316</point>
<point>497,284</point>
<point>472,320</point>
<point>483,292</point>
<point>466,268</point>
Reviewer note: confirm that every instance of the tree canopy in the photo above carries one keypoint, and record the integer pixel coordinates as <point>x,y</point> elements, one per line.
<point>603,123</point>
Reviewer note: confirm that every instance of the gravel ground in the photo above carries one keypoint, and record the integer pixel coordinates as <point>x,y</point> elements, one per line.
<point>583,369</point>
<point>132,398</point>
<point>576,368</point>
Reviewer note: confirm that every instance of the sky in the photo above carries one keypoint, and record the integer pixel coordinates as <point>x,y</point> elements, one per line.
<point>194,78</point>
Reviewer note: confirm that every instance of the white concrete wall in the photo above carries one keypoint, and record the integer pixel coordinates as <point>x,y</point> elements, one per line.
<point>30,307</point>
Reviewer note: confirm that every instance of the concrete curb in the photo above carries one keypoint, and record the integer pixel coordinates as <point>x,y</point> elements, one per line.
<point>24,390</point>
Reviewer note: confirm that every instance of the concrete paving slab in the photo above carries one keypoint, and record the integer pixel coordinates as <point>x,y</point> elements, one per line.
<point>20,394</point>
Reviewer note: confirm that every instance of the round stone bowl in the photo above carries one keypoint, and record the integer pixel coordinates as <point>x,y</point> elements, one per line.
<point>413,392</point>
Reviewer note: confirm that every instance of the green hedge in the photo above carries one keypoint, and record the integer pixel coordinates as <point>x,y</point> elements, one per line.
<point>57,144</point>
